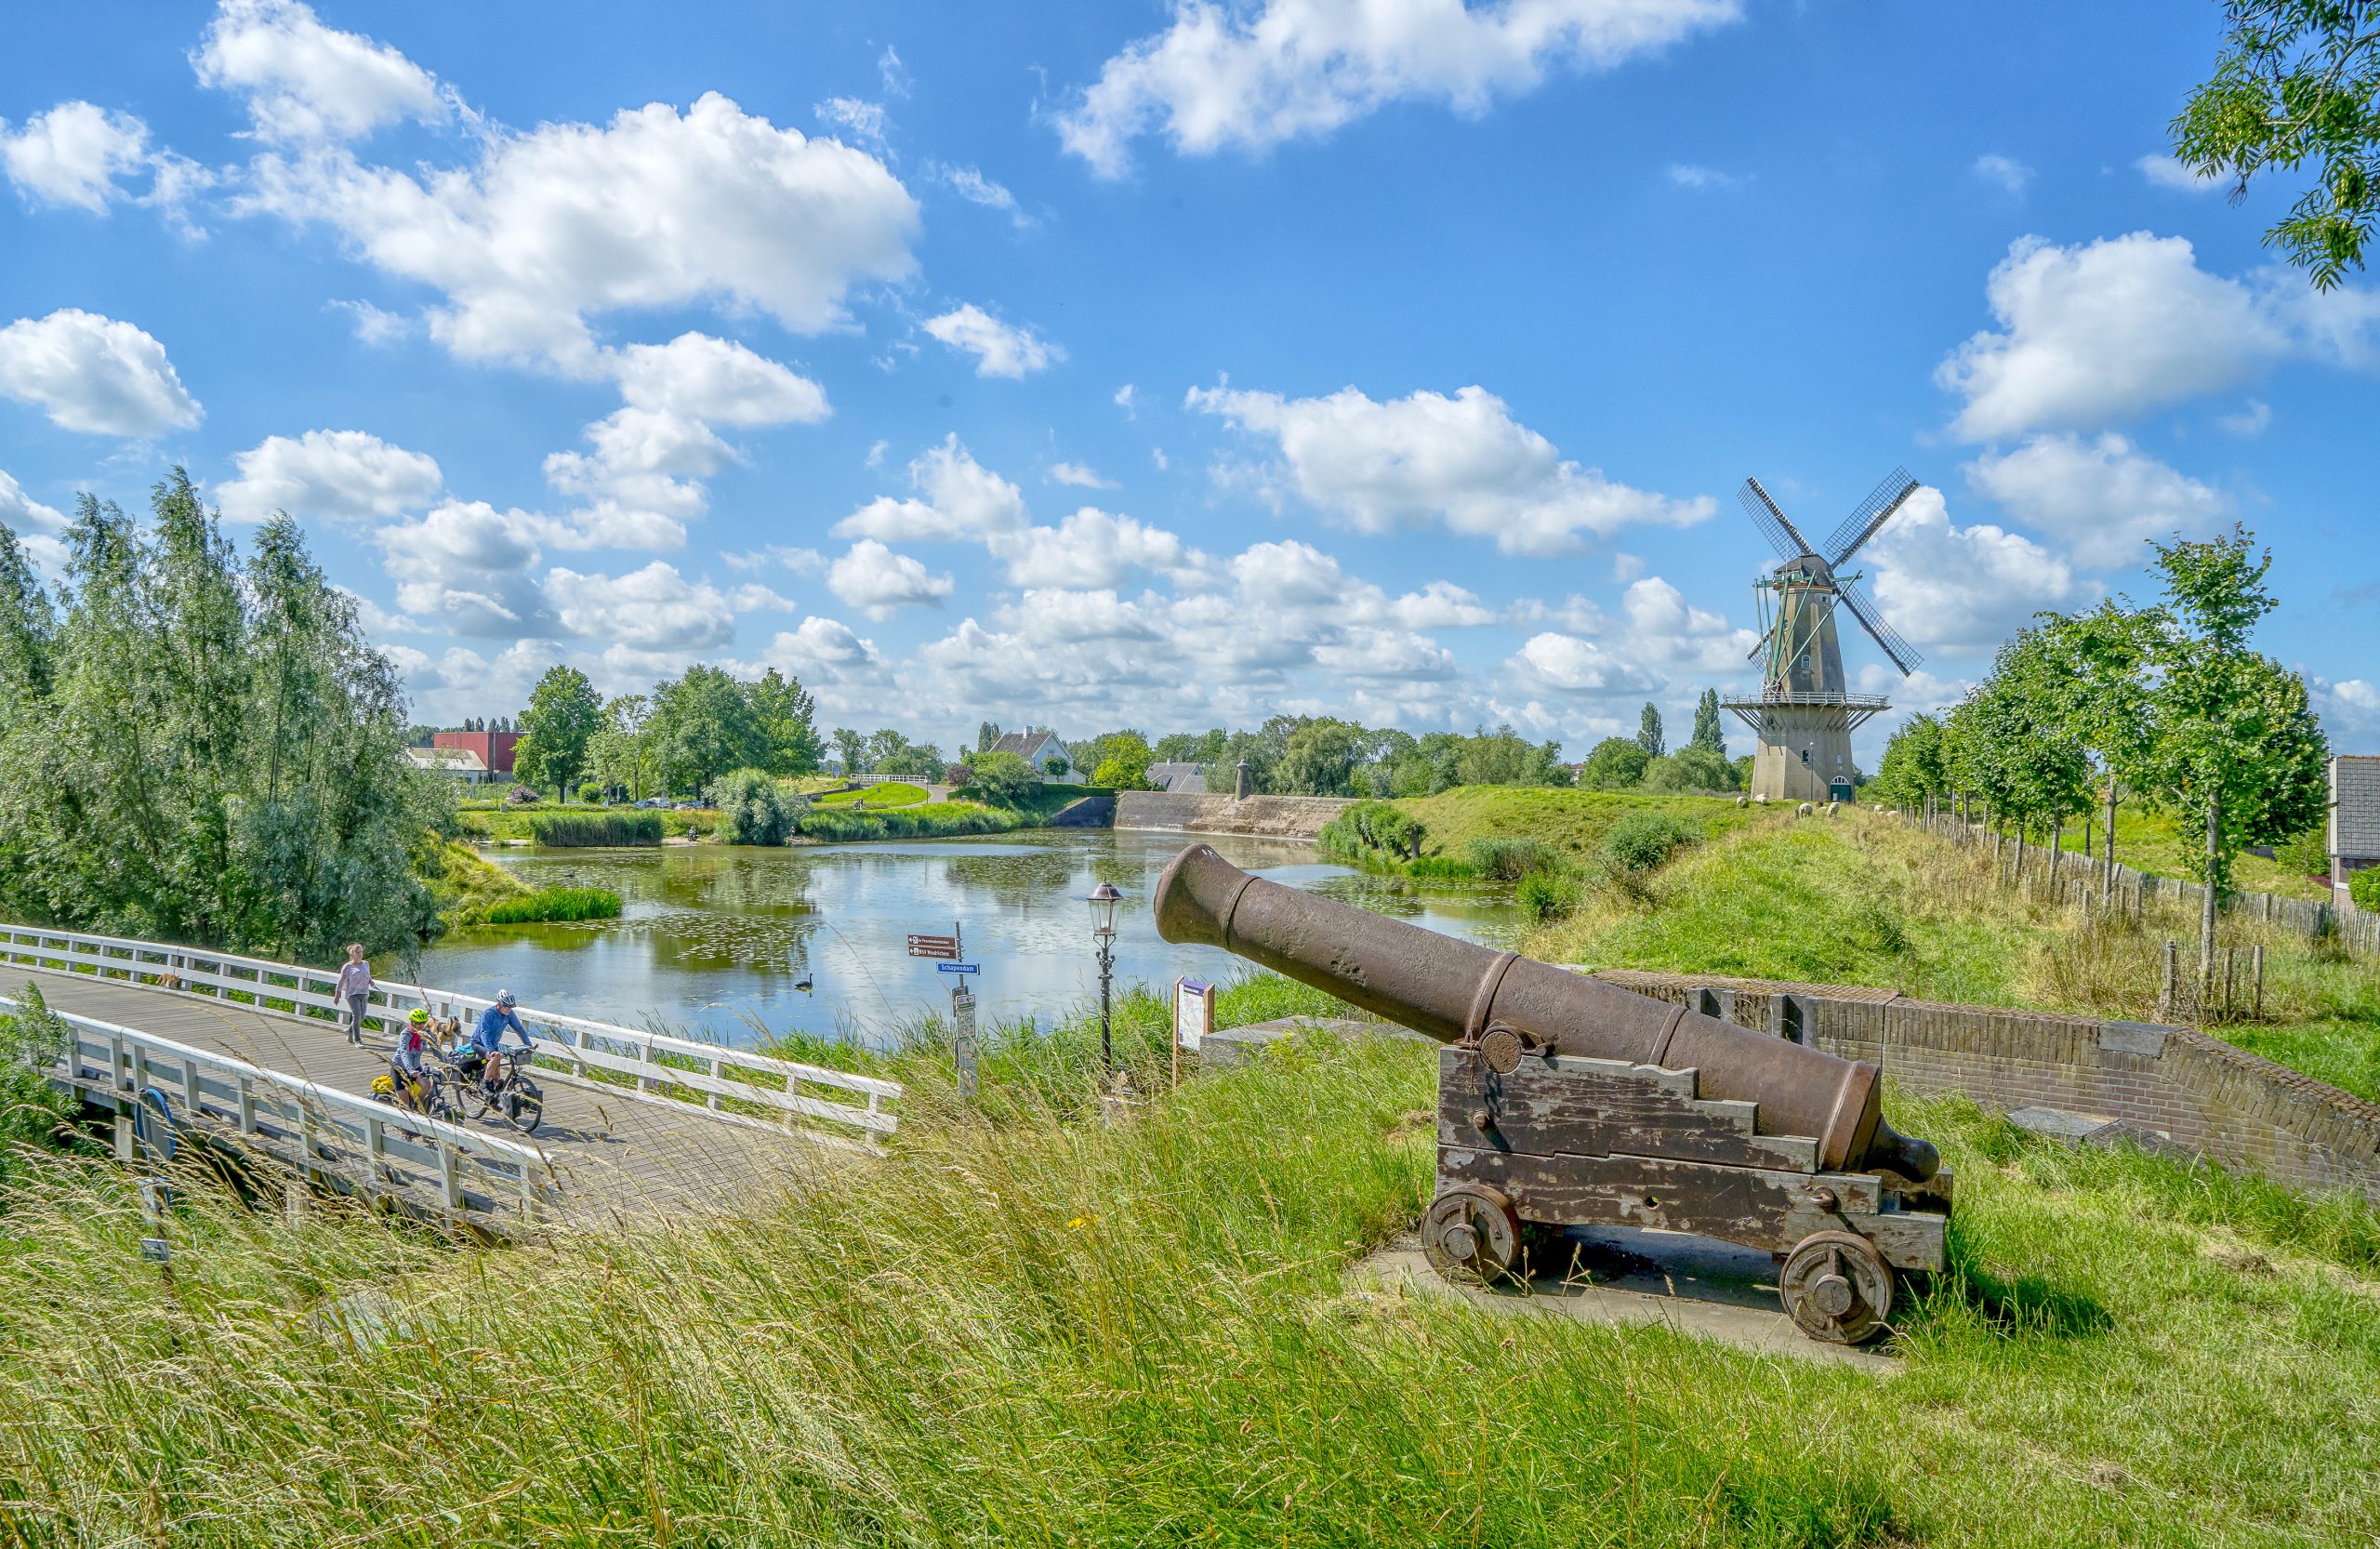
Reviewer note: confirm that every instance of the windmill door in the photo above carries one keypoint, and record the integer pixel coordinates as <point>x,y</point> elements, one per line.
<point>1839,791</point>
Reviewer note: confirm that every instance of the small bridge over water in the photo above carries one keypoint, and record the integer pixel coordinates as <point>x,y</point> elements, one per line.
<point>250,1056</point>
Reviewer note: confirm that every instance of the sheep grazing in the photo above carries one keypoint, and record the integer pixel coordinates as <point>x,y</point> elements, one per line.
<point>1802,811</point>
<point>1743,800</point>
<point>1833,807</point>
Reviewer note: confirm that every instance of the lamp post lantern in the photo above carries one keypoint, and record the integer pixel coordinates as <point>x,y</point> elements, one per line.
<point>1102,901</point>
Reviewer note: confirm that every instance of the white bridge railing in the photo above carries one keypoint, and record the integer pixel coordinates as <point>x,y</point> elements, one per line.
<point>320,1124</point>
<point>645,1064</point>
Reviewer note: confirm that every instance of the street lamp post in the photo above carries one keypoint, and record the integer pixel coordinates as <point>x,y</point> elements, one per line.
<point>1103,900</point>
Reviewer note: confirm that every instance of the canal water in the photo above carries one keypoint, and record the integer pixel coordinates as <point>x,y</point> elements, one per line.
<point>717,939</point>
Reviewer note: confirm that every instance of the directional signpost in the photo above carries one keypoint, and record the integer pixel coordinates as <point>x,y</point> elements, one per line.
<point>962,1000</point>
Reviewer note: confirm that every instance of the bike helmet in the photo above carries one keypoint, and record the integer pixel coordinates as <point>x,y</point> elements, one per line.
<point>504,997</point>
<point>418,1016</point>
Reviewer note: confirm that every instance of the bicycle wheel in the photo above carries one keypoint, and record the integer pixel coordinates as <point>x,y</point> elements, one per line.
<point>523,1105</point>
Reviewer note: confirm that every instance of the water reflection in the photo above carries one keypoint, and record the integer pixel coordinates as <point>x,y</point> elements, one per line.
<point>716,938</point>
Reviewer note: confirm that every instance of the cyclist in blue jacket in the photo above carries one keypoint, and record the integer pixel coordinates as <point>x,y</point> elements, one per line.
<point>475,1056</point>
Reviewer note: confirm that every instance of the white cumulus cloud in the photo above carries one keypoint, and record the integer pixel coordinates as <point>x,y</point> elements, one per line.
<point>23,514</point>
<point>73,154</point>
<point>1093,549</point>
<point>655,209</point>
<point>651,609</point>
<point>98,375</point>
<point>2102,497</point>
<point>303,81</point>
<point>1000,349</point>
<point>961,500</point>
<point>334,475</point>
<point>879,582</point>
<point>2005,172</point>
<point>1462,461</point>
<point>1248,76</point>
<point>2166,172</point>
<point>1962,589</point>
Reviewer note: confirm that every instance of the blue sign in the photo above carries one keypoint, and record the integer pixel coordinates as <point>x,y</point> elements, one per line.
<point>959,967</point>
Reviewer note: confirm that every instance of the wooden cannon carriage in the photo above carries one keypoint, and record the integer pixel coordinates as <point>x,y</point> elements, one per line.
<point>1564,1101</point>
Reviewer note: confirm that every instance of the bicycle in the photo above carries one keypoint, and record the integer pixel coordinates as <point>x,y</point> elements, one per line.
<point>511,1094</point>
<point>427,1095</point>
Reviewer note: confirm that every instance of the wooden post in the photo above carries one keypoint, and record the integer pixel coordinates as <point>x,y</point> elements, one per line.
<point>2167,963</point>
<point>2260,980</point>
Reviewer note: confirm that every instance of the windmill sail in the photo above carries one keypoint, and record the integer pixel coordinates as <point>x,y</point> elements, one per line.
<point>1870,515</point>
<point>1771,522</point>
<point>1904,655</point>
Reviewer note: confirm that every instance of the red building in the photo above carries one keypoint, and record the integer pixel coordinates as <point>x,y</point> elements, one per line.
<point>495,748</point>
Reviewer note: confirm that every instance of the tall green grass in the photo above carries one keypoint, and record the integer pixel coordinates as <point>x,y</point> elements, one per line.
<point>552,903</point>
<point>590,829</point>
<point>1030,1327</point>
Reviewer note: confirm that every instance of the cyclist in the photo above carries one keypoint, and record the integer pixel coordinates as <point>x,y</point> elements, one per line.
<point>476,1058</point>
<point>405,1063</point>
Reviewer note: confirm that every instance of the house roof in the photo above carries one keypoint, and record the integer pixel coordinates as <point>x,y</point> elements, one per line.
<point>2355,806</point>
<point>1022,743</point>
<point>447,760</point>
<point>1179,777</point>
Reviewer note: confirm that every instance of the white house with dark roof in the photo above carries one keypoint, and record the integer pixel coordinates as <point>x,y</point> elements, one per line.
<point>1188,779</point>
<point>2355,819</point>
<point>1041,749</point>
<point>459,763</point>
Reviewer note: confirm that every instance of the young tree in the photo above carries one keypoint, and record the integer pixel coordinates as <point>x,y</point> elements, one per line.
<point>754,809</point>
<point>987,734</point>
<point>787,719</point>
<point>1707,732</point>
<point>617,756</point>
<point>564,714</point>
<point>2233,741</point>
<point>2096,670</point>
<point>1648,730</point>
<point>913,760</point>
<point>1125,761</point>
<point>852,748</point>
<point>2299,83</point>
<point>1915,765</point>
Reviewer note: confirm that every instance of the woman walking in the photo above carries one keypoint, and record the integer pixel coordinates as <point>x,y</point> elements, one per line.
<point>354,990</point>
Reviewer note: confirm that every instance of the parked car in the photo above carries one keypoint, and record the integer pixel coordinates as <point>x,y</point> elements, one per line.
<point>654,803</point>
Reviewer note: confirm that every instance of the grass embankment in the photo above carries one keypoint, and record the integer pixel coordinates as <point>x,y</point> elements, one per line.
<point>519,823</point>
<point>598,829</point>
<point>2155,842</point>
<point>463,885</point>
<point>966,813</point>
<point>1032,1328</point>
<point>893,793</point>
<point>1571,821</point>
<point>1868,900</point>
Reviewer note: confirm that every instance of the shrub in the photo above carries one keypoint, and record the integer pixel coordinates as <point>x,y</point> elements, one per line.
<point>1616,764</point>
<point>1005,779</point>
<point>1373,831</point>
<point>1445,867</point>
<point>2363,888</point>
<point>754,809</point>
<point>1508,858</point>
<point>1549,894</point>
<point>1643,840</point>
<point>556,903</point>
<point>585,831</point>
<point>933,820</point>
<point>959,775</point>
<point>32,1113</point>
<point>590,793</point>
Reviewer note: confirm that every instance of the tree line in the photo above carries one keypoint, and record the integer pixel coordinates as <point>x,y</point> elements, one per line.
<point>200,747</point>
<point>2168,701</point>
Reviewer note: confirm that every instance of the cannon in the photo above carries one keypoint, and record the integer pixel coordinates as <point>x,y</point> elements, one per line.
<point>1566,1101</point>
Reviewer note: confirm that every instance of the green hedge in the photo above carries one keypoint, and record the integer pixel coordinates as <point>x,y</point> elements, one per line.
<point>587,829</point>
<point>933,820</point>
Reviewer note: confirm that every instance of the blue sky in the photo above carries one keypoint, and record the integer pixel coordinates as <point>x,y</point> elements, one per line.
<point>1171,365</point>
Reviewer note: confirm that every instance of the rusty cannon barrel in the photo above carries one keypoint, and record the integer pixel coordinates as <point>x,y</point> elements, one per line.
<point>1458,992</point>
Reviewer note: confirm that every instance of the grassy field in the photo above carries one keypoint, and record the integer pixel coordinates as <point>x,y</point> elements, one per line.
<point>1030,1329</point>
<point>2154,842</point>
<point>1572,821</point>
<point>1868,900</point>
<point>893,793</point>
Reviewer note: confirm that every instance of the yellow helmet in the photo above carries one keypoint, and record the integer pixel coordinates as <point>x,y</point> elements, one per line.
<point>418,1016</point>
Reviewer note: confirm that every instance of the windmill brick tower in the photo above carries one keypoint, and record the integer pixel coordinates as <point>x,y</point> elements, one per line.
<point>1806,714</point>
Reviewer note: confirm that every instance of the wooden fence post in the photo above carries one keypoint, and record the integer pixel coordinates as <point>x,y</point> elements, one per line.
<point>2167,965</point>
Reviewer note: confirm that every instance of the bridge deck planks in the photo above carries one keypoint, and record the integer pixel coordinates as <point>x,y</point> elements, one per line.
<point>619,1158</point>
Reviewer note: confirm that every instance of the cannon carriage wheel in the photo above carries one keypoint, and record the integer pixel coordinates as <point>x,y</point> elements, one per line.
<point>1836,1287</point>
<point>1471,1232</point>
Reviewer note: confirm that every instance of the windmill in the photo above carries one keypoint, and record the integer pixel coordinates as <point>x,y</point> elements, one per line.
<point>1806,714</point>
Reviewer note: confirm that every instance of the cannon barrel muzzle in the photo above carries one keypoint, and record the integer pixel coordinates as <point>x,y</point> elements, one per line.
<point>1456,991</point>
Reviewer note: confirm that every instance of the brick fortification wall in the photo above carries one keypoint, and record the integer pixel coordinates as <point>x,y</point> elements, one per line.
<point>2207,1097</point>
<point>1258,817</point>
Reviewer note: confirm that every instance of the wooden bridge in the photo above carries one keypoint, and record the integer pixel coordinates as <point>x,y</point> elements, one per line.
<point>250,1056</point>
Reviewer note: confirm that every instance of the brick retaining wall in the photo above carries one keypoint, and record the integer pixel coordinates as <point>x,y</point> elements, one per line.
<point>1259,816</point>
<point>2207,1096</point>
